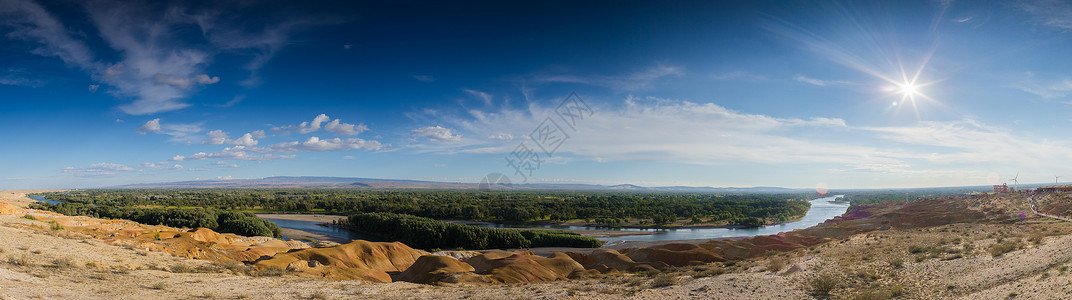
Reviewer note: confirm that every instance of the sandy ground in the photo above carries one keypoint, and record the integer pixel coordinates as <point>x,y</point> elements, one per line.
<point>42,263</point>
<point>18,197</point>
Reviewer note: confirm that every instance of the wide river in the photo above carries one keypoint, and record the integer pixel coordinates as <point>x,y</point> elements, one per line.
<point>821,210</point>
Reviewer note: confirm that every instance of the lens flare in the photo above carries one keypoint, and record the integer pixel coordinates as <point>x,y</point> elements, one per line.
<point>822,189</point>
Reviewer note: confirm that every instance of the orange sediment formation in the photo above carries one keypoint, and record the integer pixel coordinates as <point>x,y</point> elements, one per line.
<point>387,262</point>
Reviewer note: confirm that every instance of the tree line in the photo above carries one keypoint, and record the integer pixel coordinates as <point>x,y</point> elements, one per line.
<point>426,233</point>
<point>240,223</point>
<point>605,208</point>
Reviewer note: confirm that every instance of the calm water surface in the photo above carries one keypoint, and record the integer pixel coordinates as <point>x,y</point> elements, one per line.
<point>821,210</point>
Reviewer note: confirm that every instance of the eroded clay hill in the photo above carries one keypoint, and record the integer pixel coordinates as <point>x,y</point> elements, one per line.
<point>388,262</point>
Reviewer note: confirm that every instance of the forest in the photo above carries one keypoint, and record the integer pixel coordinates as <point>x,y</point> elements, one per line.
<point>425,233</point>
<point>240,223</point>
<point>605,208</point>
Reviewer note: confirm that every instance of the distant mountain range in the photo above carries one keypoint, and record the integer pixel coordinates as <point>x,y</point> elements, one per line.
<point>374,183</point>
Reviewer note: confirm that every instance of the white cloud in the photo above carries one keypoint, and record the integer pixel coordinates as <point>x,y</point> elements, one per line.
<point>98,169</point>
<point>970,141</point>
<point>308,127</point>
<point>343,128</point>
<point>820,82</point>
<point>501,136</point>
<point>150,126</point>
<point>178,132</point>
<point>318,145</point>
<point>436,133</point>
<point>215,137</point>
<point>259,134</point>
<point>219,137</point>
<point>654,129</point>
<point>237,153</point>
<point>245,140</point>
<point>178,158</point>
<point>224,164</point>
<point>93,88</point>
<point>323,121</point>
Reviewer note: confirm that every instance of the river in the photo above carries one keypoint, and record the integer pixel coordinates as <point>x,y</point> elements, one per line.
<point>820,211</point>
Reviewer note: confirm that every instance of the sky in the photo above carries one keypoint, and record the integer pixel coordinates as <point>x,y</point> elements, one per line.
<point>860,94</point>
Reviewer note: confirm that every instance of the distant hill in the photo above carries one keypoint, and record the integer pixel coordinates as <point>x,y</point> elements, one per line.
<point>375,183</point>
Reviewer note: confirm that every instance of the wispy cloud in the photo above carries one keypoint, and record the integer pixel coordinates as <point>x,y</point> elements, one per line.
<point>98,169</point>
<point>485,97</point>
<point>178,132</point>
<point>424,78</point>
<point>820,82</point>
<point>1049,13</point>
<point>739,75</point>
<point>21,81</point>
<point>157,70</point>
<point>1050,89</point>
<point>641,80</point>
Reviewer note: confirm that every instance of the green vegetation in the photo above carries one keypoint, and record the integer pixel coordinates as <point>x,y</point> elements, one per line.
<point>241,223</point>
<point>823,285</point>
<point>866,197</point>
<point>411,216</point>
<point>425,233</point>
<point>997,249</point>
<point>607,208</point>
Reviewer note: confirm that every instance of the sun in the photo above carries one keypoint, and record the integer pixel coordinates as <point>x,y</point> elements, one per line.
<point>909,90</point>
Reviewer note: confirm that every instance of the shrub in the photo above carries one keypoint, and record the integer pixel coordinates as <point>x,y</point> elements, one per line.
<point>1036,238</point>
<point>823,285</point>
<point>872,294</point>
<point>896,262</point>
<point>21,261</point>
<point>775,264</point>
<point>664,279</point>
<point>63,263</point>
<point>182,268</point>
<point>29,217</point>
<point>271,271</point>
<point>55,226</point>
<point>1004,247</point>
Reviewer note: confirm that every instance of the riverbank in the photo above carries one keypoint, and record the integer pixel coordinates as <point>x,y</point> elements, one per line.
<point>18,197</point>
<point>303,217</point>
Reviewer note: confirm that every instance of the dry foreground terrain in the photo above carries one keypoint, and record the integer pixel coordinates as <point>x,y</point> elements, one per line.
<point>959,248</point>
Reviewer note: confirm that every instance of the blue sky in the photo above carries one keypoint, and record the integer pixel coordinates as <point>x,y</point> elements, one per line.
<point>727,93</point>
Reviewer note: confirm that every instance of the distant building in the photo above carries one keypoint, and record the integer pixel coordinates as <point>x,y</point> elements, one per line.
<point>1055,188</point>
<point>1003,188</point>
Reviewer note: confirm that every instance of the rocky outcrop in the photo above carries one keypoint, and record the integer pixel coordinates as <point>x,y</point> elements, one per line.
<point>431,269</point>
<point>519,267</point>
<point>678,254</point>
<point>369,261</point>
